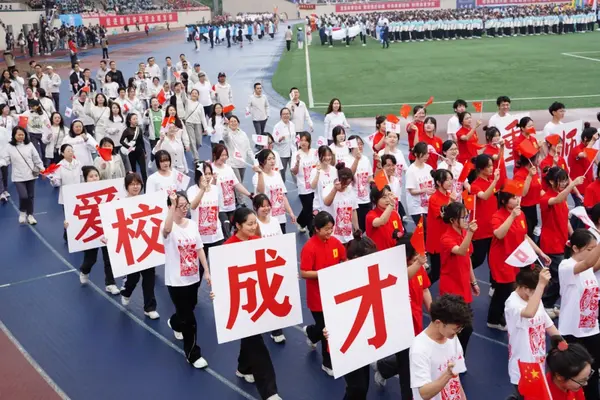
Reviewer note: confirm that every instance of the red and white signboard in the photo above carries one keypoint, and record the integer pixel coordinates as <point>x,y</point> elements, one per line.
<point>256,287</point>
<point>516,2</point>
<point>82,213</point>
<point>132,231</point>
<point>113,21</point>
<point>570,132</point>
<point>509,130</point>
<point>390,5</point>
<point>367,309</point>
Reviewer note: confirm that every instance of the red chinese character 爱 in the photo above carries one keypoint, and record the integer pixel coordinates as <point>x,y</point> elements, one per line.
<point>268,290</point>
<point>125,234</point>
<point>88,210</point>
<point>371,300</point>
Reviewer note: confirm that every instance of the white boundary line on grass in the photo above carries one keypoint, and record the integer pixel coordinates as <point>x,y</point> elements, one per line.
<point>585,58</point>
<point>583,52</point>
<point>320,105</point>
<point>311,100</point>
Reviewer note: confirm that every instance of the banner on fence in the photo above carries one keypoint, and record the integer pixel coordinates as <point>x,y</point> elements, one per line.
<point>111,21</point>
<point>391,5</point>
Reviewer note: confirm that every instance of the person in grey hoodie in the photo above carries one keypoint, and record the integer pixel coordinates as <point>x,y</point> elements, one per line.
<point>258,108</point>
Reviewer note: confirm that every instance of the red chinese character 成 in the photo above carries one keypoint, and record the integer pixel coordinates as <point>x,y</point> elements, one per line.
<point>371,299</point>
<point>125,234</point>
<point>88,210</point>
<point>268,290</point>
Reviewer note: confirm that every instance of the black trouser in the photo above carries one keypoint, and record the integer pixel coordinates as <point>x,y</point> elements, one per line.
<point>184,299</point>
<point>207,247</point>
<point>496,309</point>
<point>592,345</point>
<point>26,191</point>
<point>226,218</point>
<point>552,292</point>
<point>305,217</point>
<point>315,335</point>
<point>56,98</point>
<point>435,266</point>
<point>208,111</point>
<point>357,384</point>
<point>138,156</point>
<point>464,336</point>
<point>282,226</point>
<point>259,126</point>
<point>531,217</point>
<point>397,364</point>
<point>361,213</point>
<point>288,44</point>
<point>104,53</point>
<point>89,259</point>
<point>481,250</point>
<point>4,173</point>
<point>254,359</point>
<point>148,278</point>
<point>152,144</point>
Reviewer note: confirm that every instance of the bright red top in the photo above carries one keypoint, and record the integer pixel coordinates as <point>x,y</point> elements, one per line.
<point>502,248</point>
<point>492,150</point>
<point>555,224</point>
<point>235,239</point>
<point>548,162</point>
<point>416,285</point>
<point>437,143</point>
<point>579,166</point>
<point>455,271</point>
<point>464,153</point>
<point>382,236</point>
<point>316,255</point>
<point>484,209</point>
<point>411,136</point>
<point>558,394</point>
<point>591,196</point>
<point>378,137</point>
<point>535,187</point>
<point>435,224</point>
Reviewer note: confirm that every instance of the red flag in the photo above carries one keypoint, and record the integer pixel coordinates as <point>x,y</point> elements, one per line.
<point>105,153</point>
<point>474,147</point>
<point>405,111</point>
<point>213,88</point>
<point>392,118</point>
<point>468,200</point>
<point>23,119</point>
<point>467,168</point>
<point>531,130</point>
<point>85,89</point>
<point>532,384</point>
<point>429,102</point>
<point>228,109</point>
<point>381,180</point>
<point>478,105</point>
<point>176,74</point>
<point>513,187</point>
<point>161,97</point>
<point>167,121</point>
<point>418,238</point>
<point>590,154</point>
<point>50,169</point>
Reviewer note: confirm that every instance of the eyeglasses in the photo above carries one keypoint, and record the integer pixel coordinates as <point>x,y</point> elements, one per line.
<point>183,206</point>
<point>457,330</point>
<point>585,381</point>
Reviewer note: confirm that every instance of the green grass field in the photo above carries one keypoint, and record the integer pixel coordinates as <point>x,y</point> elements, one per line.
<point>370,80</point>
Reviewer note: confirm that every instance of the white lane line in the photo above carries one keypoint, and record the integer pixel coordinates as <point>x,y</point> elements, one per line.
<point>311,102</point>
<point>138,321</point>
<point>582,52</point>
<point>37,278</point>
<point>33,363</point>
<point>576,56</point>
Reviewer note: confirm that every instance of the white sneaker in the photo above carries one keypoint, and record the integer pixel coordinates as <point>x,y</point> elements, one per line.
<point>200,363</point>
<point>178,335</point>
<point>308,341</point>
<point>491,291</point>
<point>248,377</point>
<point>84,278</point>
<point>6,194</point>
<point>328,371</point>
<point>497,326</point>
<point>150,164</point>
<point>379,380</point>
<point>3,197</point>
<point>31,220</point>
<point>278,338</point>
<point>551,313</point>
<point>112,289</point>
<point>22,217</point>
<point>124,301</point>
<point>152,315</point>
<point>537,231</point>
<point>301,229</point>
<point>275,397</point>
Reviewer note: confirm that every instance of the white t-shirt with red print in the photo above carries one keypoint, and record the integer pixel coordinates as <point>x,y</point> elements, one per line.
<point>270,229</point>
<point>579,304</point>
<point>526,336</point>
<point>308,162</point>
<point>226,180</point>
<point>429,360</point>
<point>182,266</point>
<point>457,187</point>
<point>324,186</point>
<point>275,191</point>
<point>343,205</point>
<point>419,179</point>
<point>401,164</point>
<point>206,216</point>
<point>364,172</point>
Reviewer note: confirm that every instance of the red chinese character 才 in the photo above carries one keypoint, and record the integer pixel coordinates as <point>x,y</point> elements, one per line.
<point>268,290</point>
<point>125,234</point>
<point>371,299</point>
<point>89,211</point>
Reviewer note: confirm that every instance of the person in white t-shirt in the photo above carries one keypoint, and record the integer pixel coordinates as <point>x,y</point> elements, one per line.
<point>185,263</point>
<point>557,110</point>
<point>343,204</point>
<point>578,322</point>
<point>302,166</point>
<point>419,183</point>
<point>436,356</point>
<point>164,178</point>
<point>450,162</point>
<point>338,147</point>
<point>527,322</point>
<point>363,175</point>
<point>503,103</point>
<point>453,126</point>
<point>322,178</point>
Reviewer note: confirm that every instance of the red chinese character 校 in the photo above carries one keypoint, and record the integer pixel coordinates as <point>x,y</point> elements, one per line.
<point>88,210</point>
<point>125,234</point>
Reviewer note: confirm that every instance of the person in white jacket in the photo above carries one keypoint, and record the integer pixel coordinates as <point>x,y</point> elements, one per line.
<point>238,146</point>
<point>83,143</point>
<point>300,113</point>
<point>51,82</point>
<point>205,93</point>
<point>68,173</point>
<point>333,118</point>
<point>195,123</point>
<point>26,166</point>
<point>258,109</point>
<point>54,137</point>
<point>99,112</point>
<point>222,91</point>
<point>37,124</point>
<point>7,123</point>
<point>171,142</point>
<point>217,124</point>
<point>115,167</point>
<point>284,133</point>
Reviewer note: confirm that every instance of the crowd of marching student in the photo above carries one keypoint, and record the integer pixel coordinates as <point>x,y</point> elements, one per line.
<point>457,192</point>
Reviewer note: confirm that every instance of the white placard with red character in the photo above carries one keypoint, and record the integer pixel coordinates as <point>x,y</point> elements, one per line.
<point>82,214</point>
<point>132,231</point>
<point>367,309</point>
<point>509,129</point>
<point>570,133</point>
<point>256,287</point>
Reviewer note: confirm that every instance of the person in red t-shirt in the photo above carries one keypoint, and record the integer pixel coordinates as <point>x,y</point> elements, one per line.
<point>495,148</point>
<point>554,145</point>
<point>466,138</point>
<point>527,127</point>
<point>254,360</point>
<point>578,161</point>
<point>322,250</point>
<point>529,178</point>
<point>592,192</point>
<point>456,273</point>
<point>378,142</point>
<point>569,370</point>
<point>383,223</point>
<point>443,180</point>
<point>415,129</point>
<point>510,230</point>
<point>428,136</point>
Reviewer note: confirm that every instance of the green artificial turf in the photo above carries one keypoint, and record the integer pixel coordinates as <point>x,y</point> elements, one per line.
<point>477,69</point>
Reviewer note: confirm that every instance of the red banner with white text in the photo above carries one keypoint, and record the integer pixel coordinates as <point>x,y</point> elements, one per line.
<point>113,21</point>
<point>390,5</point>
<point>516,2</point>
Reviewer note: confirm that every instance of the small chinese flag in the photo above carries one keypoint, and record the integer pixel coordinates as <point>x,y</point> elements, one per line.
<point>468,167</point>
<point>405,111</point>
<point>213,88</point>
<point>176,74</point>
<point>532,384</point>
<point>392,118</point>
<point>527,149</point>
<point>590,154</point>
<point>513,187</point>
<point>478,106</point>
<point>418,238</point>
<point>167,121</point>
<point>125,108</point>
<point>381,180</point>
<point>105,153</point>
<point>50,169</point>
<point>429,102</point>
<point>23,119</point>
<point>228,109</point>
<point>468,200</point>
<point>161,97</point>
<point>85,89</point>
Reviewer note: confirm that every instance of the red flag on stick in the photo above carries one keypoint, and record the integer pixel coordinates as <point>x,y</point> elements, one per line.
<point>50,169</point>
<point>228,109</point>
<point>533,384</point>
<point>429,102</point>
<point>105,153</point>
<point>392,118</point>
<point>478,105</point>
<point>381,180</point>
<point>405,111</point>
<point>161,97</point>
<point>418,238</point>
